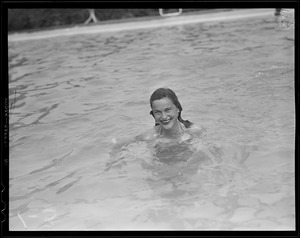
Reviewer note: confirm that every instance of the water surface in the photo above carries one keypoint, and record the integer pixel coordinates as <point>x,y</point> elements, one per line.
<point>74,94</point>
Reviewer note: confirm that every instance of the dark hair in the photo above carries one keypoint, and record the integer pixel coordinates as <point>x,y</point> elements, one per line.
<point>168,93</point>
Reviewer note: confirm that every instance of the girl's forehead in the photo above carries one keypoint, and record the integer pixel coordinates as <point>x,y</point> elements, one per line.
<point>162,103</point>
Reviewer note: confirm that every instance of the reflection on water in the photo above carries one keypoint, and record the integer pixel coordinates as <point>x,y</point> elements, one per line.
<point>73,95</point>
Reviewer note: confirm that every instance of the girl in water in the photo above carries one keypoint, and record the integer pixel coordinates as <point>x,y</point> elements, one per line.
<point>175,151</point>
<point>169,129</point>
<point>166,110</point>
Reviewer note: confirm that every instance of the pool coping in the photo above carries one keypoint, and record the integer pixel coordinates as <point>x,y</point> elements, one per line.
<point>144,23</point>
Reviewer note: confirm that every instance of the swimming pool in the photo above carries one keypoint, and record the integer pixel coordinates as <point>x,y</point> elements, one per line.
<point>75,94</point>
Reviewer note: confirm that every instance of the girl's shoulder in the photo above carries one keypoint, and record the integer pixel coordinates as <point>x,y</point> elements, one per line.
<point>196,129</point>
<point>150,134</point>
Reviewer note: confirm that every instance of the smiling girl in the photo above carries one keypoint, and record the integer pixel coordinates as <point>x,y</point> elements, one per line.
<point>169,126</point>
<point>166,110</point>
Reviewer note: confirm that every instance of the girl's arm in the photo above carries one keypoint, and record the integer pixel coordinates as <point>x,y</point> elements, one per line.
<point>118,144</point>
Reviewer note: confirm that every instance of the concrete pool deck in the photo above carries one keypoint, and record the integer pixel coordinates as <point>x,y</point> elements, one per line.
<point>144,22</point>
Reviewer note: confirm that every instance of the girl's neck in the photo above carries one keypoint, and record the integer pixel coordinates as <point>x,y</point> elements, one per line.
<point>175,131</point>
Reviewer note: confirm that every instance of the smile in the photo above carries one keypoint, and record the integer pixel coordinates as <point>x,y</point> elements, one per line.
<point>165,121</point>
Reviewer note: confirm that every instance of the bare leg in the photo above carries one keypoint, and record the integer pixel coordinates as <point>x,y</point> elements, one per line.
<point>91,17</point>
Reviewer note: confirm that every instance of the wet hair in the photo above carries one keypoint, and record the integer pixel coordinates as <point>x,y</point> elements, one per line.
<point>168,93</point>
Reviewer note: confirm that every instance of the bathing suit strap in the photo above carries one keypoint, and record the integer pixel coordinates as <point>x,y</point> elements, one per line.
<point>160,130</point>
<point>182,126</point>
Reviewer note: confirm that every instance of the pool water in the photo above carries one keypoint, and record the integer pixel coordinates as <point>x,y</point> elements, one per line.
<point>74,95</point>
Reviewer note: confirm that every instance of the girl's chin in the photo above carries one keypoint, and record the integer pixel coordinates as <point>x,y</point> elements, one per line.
<point>167,126</point>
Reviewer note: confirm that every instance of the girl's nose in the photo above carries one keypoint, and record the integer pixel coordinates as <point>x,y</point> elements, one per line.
<point>164,115</point>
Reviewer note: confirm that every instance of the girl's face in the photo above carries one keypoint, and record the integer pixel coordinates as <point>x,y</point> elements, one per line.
<point>165,112</point>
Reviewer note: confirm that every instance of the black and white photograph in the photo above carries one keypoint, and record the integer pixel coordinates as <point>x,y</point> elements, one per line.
<point>151,119</point>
